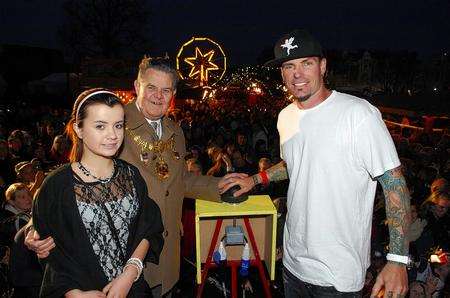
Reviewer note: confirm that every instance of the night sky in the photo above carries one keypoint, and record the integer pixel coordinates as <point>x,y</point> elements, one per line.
<point>246,27</point>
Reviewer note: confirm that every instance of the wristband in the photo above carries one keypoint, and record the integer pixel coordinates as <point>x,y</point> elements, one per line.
<point>397,258</point>
<point>264,178</point>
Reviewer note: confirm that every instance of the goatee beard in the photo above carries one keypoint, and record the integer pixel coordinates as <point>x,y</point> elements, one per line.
<point>303,98</point>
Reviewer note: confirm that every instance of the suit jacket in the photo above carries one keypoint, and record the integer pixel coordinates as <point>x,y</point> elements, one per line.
<point>169,193</point>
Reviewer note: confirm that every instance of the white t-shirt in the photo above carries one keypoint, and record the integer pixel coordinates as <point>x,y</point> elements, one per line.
<point>333,152</point>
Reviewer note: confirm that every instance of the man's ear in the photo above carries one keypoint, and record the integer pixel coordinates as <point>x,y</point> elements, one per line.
<point>136,86</point>
<point>77,130</point>
<point>282,74</point>
<point>323,66</point>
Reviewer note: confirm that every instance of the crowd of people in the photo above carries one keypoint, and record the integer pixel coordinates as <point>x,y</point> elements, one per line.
<point>221,137</point>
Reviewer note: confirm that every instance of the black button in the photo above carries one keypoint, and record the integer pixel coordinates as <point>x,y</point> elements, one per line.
<point>166,233</point>
<point>167,193</point>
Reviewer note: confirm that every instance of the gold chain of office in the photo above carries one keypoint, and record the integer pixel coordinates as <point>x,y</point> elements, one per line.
<point>161,168</point>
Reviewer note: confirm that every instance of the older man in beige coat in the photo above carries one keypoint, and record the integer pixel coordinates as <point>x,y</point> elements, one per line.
<point>156,145</point>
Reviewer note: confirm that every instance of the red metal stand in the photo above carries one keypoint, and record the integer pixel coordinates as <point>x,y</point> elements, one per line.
<point>262,275</point>
<point>234,264</point>
<point>209,257</point>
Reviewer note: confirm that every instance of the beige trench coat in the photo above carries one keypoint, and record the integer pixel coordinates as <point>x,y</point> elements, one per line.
<point>168,194</point>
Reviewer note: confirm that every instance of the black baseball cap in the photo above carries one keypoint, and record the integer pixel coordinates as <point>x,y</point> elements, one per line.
<point>293,45</point>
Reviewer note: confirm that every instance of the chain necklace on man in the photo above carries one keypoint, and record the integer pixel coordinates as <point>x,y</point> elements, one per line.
<point>88,173</point>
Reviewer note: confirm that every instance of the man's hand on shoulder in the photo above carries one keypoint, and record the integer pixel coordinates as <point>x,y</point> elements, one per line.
<point>42,248</point>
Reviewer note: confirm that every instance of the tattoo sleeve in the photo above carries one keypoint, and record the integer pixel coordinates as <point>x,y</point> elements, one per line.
<point>397,209</point>
<point>278,172</point>
<point>275,173</point>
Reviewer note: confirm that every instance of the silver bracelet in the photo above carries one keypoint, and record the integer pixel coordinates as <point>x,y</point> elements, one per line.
<point>137,268</point>
<point>137,263</point>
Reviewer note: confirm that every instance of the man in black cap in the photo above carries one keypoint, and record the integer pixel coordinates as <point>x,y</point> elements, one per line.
<point>335,147</point>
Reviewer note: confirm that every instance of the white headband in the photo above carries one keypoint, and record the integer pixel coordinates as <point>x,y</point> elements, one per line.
<point>90,95</point>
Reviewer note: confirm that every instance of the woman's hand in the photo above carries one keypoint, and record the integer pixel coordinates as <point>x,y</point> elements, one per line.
<point>121,285</point>
<point>84,294</point>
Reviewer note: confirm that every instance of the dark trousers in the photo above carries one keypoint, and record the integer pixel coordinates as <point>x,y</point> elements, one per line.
<point>295,288</point>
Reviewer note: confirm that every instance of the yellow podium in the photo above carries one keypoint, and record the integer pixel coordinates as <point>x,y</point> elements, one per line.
<point>258,217</point>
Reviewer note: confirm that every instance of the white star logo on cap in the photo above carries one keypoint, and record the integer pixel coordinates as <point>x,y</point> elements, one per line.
<point>288,45</point>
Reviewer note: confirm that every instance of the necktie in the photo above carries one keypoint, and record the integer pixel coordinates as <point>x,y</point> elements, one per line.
<point>155,125</point>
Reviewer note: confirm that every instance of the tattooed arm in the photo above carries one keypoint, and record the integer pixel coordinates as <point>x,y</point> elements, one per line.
<point>393,277</point>
<point>397,210</point>
<point>277,172</point>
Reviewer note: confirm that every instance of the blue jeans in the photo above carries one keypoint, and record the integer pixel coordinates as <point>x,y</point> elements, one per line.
<point>295,288</point>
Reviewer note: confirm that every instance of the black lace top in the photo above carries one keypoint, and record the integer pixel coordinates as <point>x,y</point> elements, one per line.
<point>103,206</point>
<point>73,264</point>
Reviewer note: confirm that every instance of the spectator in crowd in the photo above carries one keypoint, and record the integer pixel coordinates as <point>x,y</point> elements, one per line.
<point>16,212</point>
<point>30,175</point>
<point>264,164</point>
<point>440,184</point>
<point>436,233</point>
<point>194,166</point>
<point>243,146</point>
<point>15,149</point>
<point>240,163</point>
<point>417,224</point>
<point>58,152</point>
<point>40,153</point>
<point>221,163</point>
<point>436,280</point>
<point>49,135</point>
<point>25,172</point>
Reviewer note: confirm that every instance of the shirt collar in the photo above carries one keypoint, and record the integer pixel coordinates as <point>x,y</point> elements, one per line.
<point>148,120</point>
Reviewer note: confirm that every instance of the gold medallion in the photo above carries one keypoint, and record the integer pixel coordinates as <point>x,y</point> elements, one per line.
<point>162,169</point>
<point>157,148</point>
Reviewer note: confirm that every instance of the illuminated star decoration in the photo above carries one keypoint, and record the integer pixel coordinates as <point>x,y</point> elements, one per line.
<point>201,64</point>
